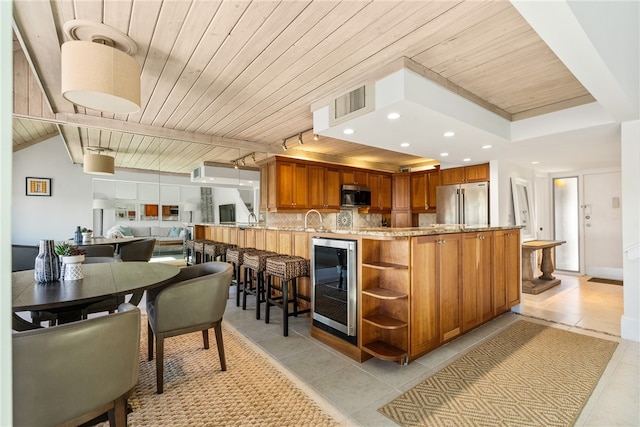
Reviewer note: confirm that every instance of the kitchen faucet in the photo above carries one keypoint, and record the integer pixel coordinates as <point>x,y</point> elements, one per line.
<point>252,215</point>
<point>307,214</point>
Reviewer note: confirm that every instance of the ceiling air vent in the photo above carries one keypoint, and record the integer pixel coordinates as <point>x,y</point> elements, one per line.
<point>352,104</point>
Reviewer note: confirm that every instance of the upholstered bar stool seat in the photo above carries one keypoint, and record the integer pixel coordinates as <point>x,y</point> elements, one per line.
<point>235,256</point>
<point>255,264</point>
<point>288,269</point>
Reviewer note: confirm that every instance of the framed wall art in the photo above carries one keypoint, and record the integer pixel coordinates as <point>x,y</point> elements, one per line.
<point>38,186</point>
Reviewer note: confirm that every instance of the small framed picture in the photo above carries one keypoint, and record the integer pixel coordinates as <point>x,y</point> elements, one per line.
<point>38,186</point>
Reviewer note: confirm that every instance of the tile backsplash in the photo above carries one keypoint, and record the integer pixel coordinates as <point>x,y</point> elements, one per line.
<point>345,219</point>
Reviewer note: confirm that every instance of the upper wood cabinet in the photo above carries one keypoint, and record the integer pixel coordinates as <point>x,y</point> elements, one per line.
<point>380,185</point>
<point>352,176</point>
<point>286,185</point>
<point>475,173</point>
<point>423,191</point>
<point>401,199</point>
<point>324,187</point>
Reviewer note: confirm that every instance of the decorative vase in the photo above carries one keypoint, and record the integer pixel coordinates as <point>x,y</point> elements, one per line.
<point>86,237</point>
<point>47,265</point>
<point>73,267</point>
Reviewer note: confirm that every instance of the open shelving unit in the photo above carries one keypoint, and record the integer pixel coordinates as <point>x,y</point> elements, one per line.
<point>385,298</point>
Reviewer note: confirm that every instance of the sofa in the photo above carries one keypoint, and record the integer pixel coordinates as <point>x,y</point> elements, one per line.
<point>168,239</point>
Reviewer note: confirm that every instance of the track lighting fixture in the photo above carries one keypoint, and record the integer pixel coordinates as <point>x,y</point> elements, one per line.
<point>299,139</point>
<point>243,160</point>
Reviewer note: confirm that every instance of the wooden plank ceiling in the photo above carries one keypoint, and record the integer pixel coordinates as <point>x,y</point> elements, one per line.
<point>222,79</point>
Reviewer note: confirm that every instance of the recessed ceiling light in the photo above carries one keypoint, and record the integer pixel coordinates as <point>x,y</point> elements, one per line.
<point>250,182</point>
<point>393,116</point>
<point>405,144</point>
<point>534,163</point>
<point>449,134</point>
<point>486,147</point>
<point>348,131</point>
<point>444,154</point>
<point>466,160</point>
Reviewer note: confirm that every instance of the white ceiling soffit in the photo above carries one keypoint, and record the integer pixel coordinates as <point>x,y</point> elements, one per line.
<point>224,176</point>
<point>427,111</point>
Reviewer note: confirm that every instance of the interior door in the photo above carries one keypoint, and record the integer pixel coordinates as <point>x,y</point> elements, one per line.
<point>602,219</point>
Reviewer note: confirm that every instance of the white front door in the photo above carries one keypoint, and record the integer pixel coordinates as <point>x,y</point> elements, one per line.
<point>602,221</point>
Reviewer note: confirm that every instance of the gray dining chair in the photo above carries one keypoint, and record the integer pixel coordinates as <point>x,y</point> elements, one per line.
<point>74,372</point>
<point>141,250</point>
<point>194,300</point>
<point>98,250</point>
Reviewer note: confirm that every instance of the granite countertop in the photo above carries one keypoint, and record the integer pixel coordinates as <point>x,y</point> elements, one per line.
<point>380,231</point>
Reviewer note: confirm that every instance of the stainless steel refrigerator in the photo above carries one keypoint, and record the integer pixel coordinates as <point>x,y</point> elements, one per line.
<point>466,204</point>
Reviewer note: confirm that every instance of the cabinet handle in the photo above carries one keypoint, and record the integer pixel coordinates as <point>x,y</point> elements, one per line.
<point>440,242</point>
<point>481,237</point>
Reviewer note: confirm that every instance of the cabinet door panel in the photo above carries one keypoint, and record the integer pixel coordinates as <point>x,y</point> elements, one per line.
<point>418,192</point>
<point>449,285</point>
<point>316,187</point>
<point>452,176</point>
<point>385,193</point>
<point>477,173</point>
<point>425,334</point>
<point>332,188</point>
<point>434,181</point>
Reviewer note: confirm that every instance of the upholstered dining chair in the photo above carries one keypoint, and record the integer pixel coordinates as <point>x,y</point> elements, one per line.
<point>194,300</point>
<point>74,372</point>
<point>98,250</point>
<point>141,250</point>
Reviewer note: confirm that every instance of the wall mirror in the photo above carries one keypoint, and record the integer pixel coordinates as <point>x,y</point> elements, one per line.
<point>170,213</point>
<point>523,208</point>
<point>125,211</point>
<point>148,212</point>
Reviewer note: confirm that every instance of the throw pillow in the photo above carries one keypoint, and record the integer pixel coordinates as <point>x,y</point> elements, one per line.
<point>126,231</point>
<point>175,232</point>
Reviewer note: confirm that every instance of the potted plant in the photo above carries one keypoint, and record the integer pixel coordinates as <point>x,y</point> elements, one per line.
<point>69,253</point>
<point>86,234</point>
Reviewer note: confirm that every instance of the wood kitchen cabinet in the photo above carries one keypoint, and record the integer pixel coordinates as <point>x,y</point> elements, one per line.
<point>352,176</point>
<point>286,185</point>
<point>324,187</point>
<point>401,200</point>
<point>423,191</point>
<point>477,286</point>
<point>461,175</point>
<point>435,291</point>
<point>506,270</point>
<point>384,299</point>
<point>264,192</point>
<point>380,185</point>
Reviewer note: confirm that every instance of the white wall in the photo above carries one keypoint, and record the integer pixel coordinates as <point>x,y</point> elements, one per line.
<point>501,199</point>
<point>55,217</point>
<point>630,324</point>
<point>227,196</point>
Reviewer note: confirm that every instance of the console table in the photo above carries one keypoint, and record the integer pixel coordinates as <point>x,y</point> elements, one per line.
<point>531,285</point>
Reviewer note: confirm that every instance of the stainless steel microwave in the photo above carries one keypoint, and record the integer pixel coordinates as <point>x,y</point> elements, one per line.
<point>355,195</point>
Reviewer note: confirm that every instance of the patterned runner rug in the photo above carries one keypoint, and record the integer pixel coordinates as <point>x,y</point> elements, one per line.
<point>252,391</point>
<point>527,375</point>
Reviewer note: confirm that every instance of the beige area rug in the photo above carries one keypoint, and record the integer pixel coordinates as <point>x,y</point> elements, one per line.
<point>251,392</point>
<point>527,375</point>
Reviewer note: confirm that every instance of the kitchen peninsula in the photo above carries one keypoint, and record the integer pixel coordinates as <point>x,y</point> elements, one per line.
<point>417,288</point>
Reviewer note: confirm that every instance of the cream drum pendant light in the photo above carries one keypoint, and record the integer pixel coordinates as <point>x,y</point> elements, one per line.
<point>98,71</point>
<point>99,164</point>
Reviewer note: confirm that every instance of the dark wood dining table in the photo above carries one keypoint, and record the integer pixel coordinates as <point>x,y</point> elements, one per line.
<point>100,281</point>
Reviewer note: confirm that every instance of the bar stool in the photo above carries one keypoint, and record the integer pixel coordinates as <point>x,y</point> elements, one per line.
<point>214,250</point>
<point>195,248</point>
<point>288,269</point>
<point>235,256</point>
<point>254,265</point>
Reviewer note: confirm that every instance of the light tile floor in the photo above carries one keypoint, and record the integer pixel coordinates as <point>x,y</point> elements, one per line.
<point>357,390</point>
